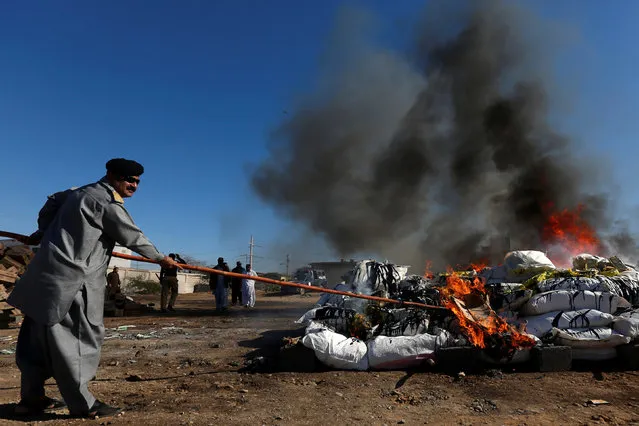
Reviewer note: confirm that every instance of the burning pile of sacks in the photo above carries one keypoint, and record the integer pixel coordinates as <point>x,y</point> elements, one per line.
<point>527,301</point>
<point>588,308</point>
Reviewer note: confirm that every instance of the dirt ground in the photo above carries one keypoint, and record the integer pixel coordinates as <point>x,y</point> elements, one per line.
<point>189,368</point>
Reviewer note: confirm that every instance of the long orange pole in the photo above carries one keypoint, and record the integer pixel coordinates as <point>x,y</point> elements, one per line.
<point>23,238</point>
<point>283,283</point>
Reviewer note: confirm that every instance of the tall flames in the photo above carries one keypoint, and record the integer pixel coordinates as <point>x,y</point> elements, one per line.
<point>566,233</point>
<point>468,300</point>
<point>569,234</point>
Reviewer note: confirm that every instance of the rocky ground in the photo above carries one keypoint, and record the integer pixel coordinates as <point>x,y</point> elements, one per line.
<point>194,368</point>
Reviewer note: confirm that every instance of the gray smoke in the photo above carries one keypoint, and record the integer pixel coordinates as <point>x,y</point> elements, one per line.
<point>439,154</point>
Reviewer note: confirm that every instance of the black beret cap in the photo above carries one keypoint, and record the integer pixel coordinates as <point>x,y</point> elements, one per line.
<point>124,167</point>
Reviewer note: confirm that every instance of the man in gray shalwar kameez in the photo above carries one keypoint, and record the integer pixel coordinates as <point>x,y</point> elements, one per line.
<point>61,294</point>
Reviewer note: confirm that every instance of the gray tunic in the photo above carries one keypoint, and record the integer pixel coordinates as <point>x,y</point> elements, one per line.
<point>80,228</point>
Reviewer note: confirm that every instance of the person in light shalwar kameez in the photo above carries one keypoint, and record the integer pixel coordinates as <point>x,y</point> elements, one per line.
<point>248,288</point>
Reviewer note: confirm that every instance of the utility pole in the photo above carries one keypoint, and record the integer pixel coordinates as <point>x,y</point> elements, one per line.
<point>288,261</point>
<point>250,255</point>
<point>251,244</point>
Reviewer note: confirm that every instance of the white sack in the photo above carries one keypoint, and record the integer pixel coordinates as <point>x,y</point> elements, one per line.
<point>513,301</point>
<point>573,284</point>
<point>404,351</point>
<point>336,350</point>
<point>314,326</point>
<point>405,322</point>
<point>307,317</point>
<point>563,300</point>
<point>540,325</point>
<point>521,265</point>
<point>588,261</point>
<point>335,318</point>
<point>626,285</point>
<point>598,337</point>
<point>627,324</point>
<point>371,277</point>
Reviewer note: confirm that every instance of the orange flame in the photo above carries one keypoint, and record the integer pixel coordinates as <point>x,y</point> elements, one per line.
<point>569,230</point>
<point>481,323</point>
<point>479,265</point>
<point>428,274</point>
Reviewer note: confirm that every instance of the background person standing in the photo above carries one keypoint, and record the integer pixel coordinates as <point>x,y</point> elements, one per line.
<point>113,283</point>
<point>169,282</point>
<point>248,287</point>
<point>236,284</point>
<point>218,284</point>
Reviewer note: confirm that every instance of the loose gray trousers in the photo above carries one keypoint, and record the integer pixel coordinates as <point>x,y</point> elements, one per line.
<point>68,351</point>
<point>221,298</point>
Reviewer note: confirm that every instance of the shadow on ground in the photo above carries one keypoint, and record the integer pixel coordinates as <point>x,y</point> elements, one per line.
<point>280,351</point>
<point>7,413</point>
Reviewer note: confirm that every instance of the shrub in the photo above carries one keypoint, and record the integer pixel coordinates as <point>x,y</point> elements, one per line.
<point>141,286</point>
<point>272,288</point>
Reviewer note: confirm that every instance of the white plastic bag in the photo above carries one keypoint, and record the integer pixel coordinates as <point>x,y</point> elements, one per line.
<point>573,284</point>
<point>589,338</point>
<point>588,261</point>
<point>523,264</point>
<point>314,326</point>
<point>307,317</point>
<point>627,324</point>
<point>334,318</point>
<point>336,350</point>
<point>512,301</point>
<point>563,300</point>
<point>404,351</point>
<point>540,325</point>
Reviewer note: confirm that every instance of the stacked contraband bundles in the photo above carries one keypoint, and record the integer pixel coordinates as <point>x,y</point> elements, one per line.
<point>591,307</point>
<point>504,310</point>
<point>354,334</point>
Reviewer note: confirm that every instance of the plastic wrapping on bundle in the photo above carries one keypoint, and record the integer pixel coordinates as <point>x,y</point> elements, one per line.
<point>563,300</point>
<point>336,350</point>
<point>541,325</point>
<point>627,324</point>
<point>336,318</point>
<point>508,296</point>
<point>523,264</point>
<point>589,338</point>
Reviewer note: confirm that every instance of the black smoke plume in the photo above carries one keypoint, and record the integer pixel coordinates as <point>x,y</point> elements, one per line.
<point>442,154</point>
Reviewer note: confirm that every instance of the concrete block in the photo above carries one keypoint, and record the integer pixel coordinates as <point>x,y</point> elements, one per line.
<point>456,359</point>
<point>551,358</point>
<point>628,356</point>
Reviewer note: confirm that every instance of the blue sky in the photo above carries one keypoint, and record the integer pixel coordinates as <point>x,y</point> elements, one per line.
<point>192,89</point>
